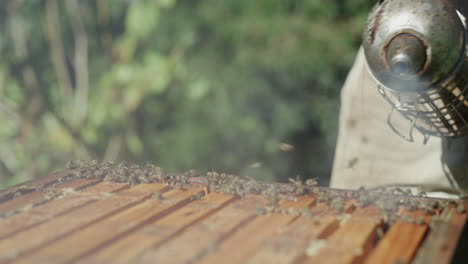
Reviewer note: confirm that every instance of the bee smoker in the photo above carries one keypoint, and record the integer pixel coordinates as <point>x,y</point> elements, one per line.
<point>416,51</point>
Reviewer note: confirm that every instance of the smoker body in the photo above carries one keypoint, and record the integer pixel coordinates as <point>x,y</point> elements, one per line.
<point>416,51</point>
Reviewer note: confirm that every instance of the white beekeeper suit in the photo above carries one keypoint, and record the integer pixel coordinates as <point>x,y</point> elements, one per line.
<point>370,154</point>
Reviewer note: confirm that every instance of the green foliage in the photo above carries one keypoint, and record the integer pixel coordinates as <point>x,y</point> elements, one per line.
<point>182,84</point>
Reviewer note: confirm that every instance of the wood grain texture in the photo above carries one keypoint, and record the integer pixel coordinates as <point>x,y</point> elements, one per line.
<point>94,237</point>
<point>350,242</point>
<point>442,238</point>
<point>256,231</point>
<point>400,242</point>
<point>41,181</point>
<point>44,234</point>
<point>104,222</point>
<point>289,246</point>
<point>161,230</point>
<point>39,196</point>
<point>37,215</point>
<point>199,240</point>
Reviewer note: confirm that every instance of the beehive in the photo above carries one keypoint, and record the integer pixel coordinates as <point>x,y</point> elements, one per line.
<point>63,219</point>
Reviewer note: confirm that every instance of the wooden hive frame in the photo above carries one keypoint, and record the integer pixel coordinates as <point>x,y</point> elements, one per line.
<point>91,221</point>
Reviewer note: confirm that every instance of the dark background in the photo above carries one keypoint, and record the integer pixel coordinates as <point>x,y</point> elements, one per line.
<point>239,86</point>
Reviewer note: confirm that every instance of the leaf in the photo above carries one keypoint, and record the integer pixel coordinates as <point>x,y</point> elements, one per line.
<point>134,144</point>
<point>142,18</point>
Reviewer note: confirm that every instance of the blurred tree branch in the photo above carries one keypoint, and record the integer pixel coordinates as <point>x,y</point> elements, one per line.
<point>57,50</point>
<point>104,23</point>
<point>80,59</point>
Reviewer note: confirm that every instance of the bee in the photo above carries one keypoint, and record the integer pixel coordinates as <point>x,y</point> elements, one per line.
<point>352,162</point>
<point>261,210</point>
<point>121,178</point>
<point>322,198</point>
<point>17,195</point>
<point>196,196</point>
<point>338,204</point>
<point>364,200</point>
<point>307,212</point>
<point>272,196</point>
<point>157,195</point>
<point>311,182</point>
<point>133,179</point>
<point>408,192</point>
<point>407,218</point>
<point>100,173</point>
<point>420,221</point>
<point>411,205</point>
<point>51,193</point>
<point>107,164</point>
<point>121,171</point>
<point>292,211</point>
<point>143,179</point>
<point>299,186</point>
<point>422,193</point>
<point>81,164</point>
<point>191,173</point>
<point>71,165</point>
<point>379,232</point>
<point>179,186</point>
<point>428,210</point>
<point>358,252</point>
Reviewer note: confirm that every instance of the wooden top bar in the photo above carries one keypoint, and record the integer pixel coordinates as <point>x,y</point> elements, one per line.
<point>62,219</point>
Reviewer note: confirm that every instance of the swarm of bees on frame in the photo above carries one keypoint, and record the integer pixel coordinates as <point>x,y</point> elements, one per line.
<point>390,200</point>
<point>20,191</point>
<point>26,189</point>
<point>128,173</point>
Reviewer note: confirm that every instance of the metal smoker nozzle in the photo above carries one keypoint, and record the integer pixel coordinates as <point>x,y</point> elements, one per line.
<point>406,56</point>
<point>416,51</point>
